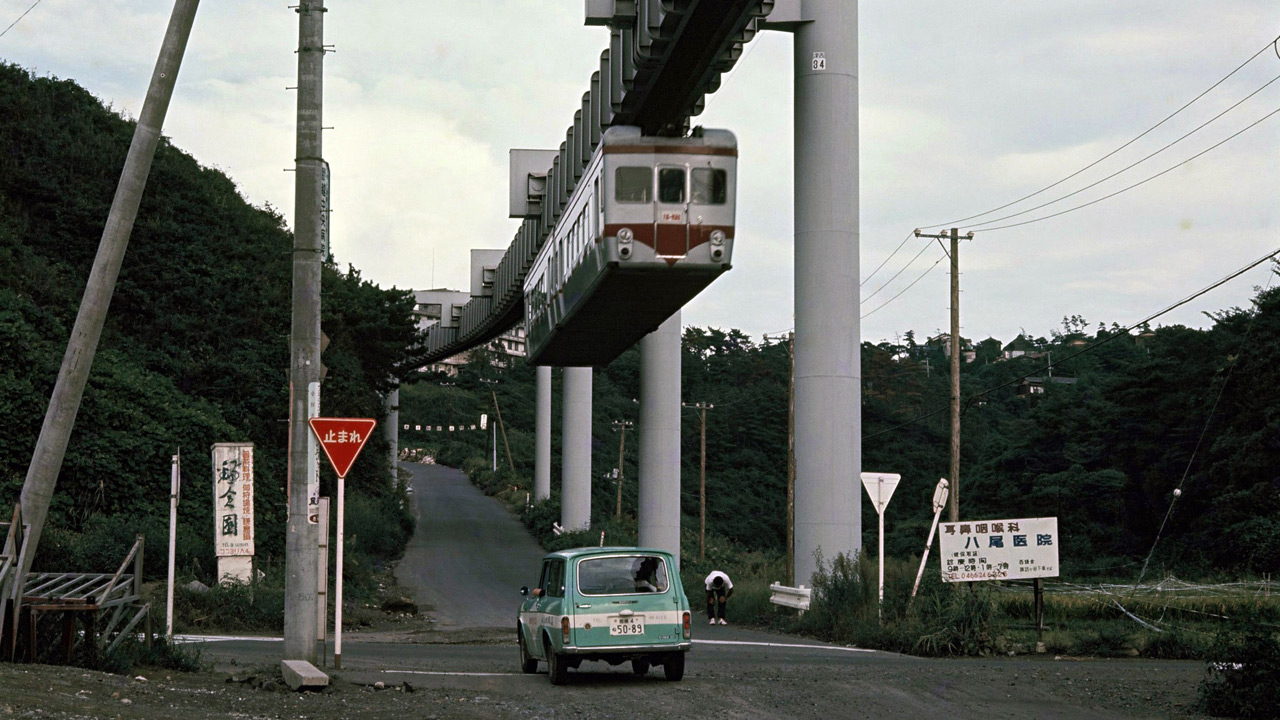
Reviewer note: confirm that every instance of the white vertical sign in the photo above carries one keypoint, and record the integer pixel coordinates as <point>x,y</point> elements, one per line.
<point>313,456</point>
<point>233,499</point>
<point>880,487</point>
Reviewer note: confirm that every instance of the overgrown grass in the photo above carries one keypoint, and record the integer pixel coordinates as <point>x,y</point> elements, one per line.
<point>162,654</point>
<point>1243,671</point>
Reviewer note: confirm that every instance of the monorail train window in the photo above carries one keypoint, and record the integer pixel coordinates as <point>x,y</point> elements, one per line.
<point>671,185</point>
<point>633,184</point>
<point>710,186</point>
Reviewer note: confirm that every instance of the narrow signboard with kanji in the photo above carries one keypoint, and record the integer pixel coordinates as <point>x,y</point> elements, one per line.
<point>233,499</point>
<point>342,439</point>
<point>999,549</point>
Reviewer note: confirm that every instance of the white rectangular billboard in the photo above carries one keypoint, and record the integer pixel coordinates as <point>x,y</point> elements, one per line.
<point>1019,549</point>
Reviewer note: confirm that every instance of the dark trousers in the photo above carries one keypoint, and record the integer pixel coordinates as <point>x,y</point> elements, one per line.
<point>716,600</point>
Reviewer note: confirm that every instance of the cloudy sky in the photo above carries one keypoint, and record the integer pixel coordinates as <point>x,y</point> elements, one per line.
<point>964,107</point>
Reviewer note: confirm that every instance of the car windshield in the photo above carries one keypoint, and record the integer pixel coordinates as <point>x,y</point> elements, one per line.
<point>622,575</point>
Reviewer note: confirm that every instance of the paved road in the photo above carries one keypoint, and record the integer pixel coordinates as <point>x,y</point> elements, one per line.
<point>469,557</point>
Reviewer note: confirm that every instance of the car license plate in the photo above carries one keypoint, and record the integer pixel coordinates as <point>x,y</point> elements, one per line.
<point>630,625</point>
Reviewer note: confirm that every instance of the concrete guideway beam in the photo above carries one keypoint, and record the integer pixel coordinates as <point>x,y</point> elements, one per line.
<point>659,466</point>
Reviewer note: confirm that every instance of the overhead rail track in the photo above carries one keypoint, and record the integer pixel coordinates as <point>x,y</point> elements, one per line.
<point>664,58</point>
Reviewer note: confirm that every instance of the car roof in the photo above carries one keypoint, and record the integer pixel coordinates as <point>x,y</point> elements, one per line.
<point>580,552</point>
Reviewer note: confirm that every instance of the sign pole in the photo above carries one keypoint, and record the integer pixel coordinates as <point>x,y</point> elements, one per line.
<point>939,502</point>
<point>175,480</point>
<point>337,578</point>
<point>341,439</point>
<point>884,484</point>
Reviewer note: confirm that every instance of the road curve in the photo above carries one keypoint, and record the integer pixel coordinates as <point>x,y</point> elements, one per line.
<point>469,556</point>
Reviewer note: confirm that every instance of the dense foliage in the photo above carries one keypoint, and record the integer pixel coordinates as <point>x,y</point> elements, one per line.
<point>195,350</point>
<point>1124,418</point>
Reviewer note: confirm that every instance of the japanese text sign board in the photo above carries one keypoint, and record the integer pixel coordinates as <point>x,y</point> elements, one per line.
<point>999,549</point>
<point>233,499</point>
<point>342,439</point>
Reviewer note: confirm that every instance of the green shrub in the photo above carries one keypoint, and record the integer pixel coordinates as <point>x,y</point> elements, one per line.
<point>956,621</point>
<point>1243,672</point>
<point>232,607</point>
<point>161,654</point>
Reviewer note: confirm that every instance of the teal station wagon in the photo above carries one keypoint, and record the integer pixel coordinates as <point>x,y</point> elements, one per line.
<point>615,604</point>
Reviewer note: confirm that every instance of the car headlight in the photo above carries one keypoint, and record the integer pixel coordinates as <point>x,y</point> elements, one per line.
<point>625,236</point>
<point>717,237</point>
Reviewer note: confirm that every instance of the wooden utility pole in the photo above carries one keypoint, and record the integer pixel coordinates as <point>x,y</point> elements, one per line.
<point>621,426</point>
<point>702,408</point>
<point>953,501</point>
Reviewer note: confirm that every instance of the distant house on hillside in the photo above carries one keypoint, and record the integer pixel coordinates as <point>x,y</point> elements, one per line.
<point>1020,347</point>
<point>1036,385</point>
<point>444,307</point>
<point>943,340</point>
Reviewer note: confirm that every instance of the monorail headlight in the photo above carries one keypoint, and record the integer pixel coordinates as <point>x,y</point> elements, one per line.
<point>717,237</point>
<point>625,236</point>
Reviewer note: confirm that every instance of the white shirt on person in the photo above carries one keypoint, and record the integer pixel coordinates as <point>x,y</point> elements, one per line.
<point>728,584</point>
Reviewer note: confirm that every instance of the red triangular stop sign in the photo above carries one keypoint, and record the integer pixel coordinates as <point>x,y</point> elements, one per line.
<point>342,439</point>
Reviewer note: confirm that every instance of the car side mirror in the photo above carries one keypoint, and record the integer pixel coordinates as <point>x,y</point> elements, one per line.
<point>524,591</point>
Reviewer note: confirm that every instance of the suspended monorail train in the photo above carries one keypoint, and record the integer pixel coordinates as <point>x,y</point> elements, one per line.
<point>648,226</point>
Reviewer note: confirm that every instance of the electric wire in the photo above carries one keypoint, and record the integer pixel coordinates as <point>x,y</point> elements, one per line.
<point>1140,182</point>
<point>887,259</point>
<point>1131,165</point>
<point>1272,44</point>
<point>1200,441</point>
<point>913,282</point>
<point>895,275</point>
<point>1088,348</point>
<point>15,22</point>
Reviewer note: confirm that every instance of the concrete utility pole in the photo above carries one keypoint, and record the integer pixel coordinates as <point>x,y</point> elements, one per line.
<point>542,437</point>
<point>575,490</point>
<point>702,408</point>
<point>621,426</point>
<point>391,430</point>
<point>791,459</point>
<point>953,502</point>
<point>64,403</point>
<point>658,489</point>
<point>301,539</point>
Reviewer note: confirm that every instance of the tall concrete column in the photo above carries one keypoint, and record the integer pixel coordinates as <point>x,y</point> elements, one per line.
<point>302,554</point>
<point>659,512</point>
<point>828,413</point>
<point>575,450</point>
<point>542,437</point>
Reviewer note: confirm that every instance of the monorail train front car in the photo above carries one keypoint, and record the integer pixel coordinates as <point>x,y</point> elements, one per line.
<point>649,225</point>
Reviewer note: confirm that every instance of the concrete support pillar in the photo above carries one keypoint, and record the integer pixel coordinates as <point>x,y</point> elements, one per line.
<point>575,450</point>
<point>659,512</point>
<point>828,413</point>
<point>542,437</point>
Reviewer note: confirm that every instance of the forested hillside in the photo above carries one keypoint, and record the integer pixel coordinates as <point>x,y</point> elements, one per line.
<point>195,350</point>
<point>1123,420</point>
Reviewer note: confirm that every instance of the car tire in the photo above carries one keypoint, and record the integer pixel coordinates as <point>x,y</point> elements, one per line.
<point>640,666</point>
<point>557,669</point>
<point>528,663</point>
<point>673,668</point>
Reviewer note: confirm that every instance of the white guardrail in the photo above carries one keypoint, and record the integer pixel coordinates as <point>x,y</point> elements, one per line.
<point>797,598</point>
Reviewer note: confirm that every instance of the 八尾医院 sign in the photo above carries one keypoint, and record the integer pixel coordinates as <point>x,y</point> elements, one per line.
<point>999,549</point>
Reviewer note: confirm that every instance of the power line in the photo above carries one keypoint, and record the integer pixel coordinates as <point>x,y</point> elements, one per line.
<point>1133,164</point>
<point>895,275</point>
<point>15,22</point>
<point>1090,348</point>
<point>882,263</point>
<point>1140,182</point>
<point>1143,134</point>
<point>913,282</point>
